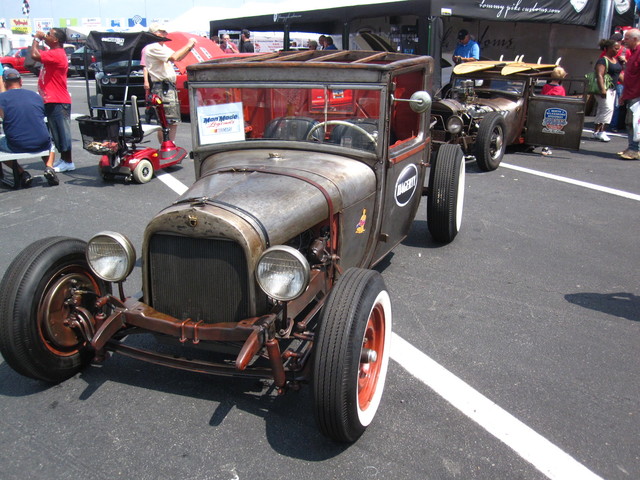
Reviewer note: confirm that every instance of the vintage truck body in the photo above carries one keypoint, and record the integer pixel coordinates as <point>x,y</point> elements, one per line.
<point>490,105</point>
<point>309,169</point>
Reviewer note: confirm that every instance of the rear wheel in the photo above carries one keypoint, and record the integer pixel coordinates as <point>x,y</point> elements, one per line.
<point>446,194</point>
<point>351,355</point>
<point>490,142</point>
<point>143,171</point>
<point>36,339</point>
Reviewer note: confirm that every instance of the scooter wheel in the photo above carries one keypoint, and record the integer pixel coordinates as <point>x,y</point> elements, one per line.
<point>143,171</point>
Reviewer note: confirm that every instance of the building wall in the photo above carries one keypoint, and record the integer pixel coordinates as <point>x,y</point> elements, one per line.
<point>578,46</point>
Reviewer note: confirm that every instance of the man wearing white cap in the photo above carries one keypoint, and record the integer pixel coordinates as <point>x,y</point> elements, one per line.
<point>159,61</point>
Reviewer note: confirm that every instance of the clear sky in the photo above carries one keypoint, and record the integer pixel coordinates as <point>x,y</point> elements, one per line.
<point>179,15</point>
<point>105,8</point>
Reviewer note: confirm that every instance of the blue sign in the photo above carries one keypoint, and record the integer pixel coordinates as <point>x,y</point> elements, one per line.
<point>554,121</point>
<point>137,20</point>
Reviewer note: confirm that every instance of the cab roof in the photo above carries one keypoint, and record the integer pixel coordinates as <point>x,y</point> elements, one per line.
<point>308,65</point>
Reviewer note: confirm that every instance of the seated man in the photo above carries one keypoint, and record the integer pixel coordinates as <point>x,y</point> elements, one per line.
<point>22,112</point>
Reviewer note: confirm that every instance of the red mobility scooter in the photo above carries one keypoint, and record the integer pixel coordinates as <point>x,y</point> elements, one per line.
<point>114,130</point>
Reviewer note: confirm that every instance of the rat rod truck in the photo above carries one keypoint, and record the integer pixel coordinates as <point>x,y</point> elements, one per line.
<point>309,169</point>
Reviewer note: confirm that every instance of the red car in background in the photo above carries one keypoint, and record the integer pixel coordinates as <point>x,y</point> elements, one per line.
<point>204,50</point>
<point>15,59</point>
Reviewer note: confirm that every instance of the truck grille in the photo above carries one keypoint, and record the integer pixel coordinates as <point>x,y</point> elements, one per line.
<point>200,279</point>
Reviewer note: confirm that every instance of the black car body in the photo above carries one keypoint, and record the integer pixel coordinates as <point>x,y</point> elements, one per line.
<point>77,61</point>
<point>114,79</point>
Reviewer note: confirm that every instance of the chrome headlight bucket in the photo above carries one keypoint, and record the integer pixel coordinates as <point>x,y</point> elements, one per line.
<point>283,273</point>
<point>111,256</point>
<point>454,124</point>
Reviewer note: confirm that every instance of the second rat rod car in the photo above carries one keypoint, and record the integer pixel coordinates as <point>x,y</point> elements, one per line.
<point>491,104</point>
<point>309,170</point>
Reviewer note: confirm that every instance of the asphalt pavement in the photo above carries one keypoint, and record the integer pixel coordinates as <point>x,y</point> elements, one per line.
<point>516,347</point>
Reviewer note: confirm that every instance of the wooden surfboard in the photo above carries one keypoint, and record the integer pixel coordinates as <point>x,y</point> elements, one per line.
<point>512,68</point>
<point>470,67</point>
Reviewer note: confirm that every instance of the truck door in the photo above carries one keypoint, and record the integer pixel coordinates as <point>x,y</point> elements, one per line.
<point>407,155</point>
<point>555,121</point>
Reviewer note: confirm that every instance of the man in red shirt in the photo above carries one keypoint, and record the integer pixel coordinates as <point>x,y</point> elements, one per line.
<point>52,86</point>
<point>631,90</point>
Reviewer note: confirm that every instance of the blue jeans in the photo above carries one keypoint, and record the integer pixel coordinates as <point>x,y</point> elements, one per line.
<point>59,122</point>
<point>4,146</point>
<point>616,108</point>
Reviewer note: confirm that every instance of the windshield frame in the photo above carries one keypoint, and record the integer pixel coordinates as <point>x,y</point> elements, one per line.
<point>318,114</point>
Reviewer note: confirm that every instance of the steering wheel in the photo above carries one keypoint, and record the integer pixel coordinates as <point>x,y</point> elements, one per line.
<point>358,128</point>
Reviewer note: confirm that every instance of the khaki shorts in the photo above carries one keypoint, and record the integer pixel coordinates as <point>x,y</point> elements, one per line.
<point>169,100</point>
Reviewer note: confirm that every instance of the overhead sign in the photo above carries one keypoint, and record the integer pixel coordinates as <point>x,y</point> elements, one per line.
<point>20,25</point>
<point>42,24</point>
<point>136,21</point>
<point>570,12</point>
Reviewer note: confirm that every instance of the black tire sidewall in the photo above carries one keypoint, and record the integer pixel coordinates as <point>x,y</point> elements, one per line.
<point>26,281</point>
<point>442,202</point>
<point>336,357</point>
<point>483,142</point>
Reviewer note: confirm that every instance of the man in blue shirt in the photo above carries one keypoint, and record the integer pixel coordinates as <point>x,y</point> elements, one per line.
<point>467,50</point>
<point>22,112</point>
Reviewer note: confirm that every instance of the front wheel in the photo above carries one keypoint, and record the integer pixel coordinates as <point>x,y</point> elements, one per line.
<point>143,171</point>
<point>36,338</point>
<point>490,142</point>
<point>351,355</point>
<point>446,194</point>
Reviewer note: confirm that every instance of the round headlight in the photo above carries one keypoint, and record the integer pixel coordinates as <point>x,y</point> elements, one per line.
<point>283,273</point>
<point>454,124</point>
<point>104,80</point>
<point>113,80</point>
<point>111,256</point>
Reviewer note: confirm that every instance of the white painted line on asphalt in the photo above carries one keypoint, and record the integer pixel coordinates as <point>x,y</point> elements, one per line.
<point>592,186</point>
<point>531,446</point>
<point>610,134</point>
<point>172,182</point>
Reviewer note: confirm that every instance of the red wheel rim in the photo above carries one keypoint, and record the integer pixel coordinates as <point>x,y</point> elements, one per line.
<point>53,312</point>
<point>369,372</point>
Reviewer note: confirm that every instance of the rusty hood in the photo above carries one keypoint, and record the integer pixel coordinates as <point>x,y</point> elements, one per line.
<point>286,192</point>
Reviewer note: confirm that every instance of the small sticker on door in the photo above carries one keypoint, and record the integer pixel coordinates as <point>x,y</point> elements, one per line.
<point>554,121</point>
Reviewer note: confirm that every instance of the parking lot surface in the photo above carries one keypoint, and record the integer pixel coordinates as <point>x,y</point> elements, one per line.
<point>516,347</point>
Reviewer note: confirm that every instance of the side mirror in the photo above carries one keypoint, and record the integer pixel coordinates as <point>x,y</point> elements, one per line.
<point>419,102</point>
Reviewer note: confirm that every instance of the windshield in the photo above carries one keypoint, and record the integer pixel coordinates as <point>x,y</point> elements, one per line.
<point>342,116</point>
<point>495,84</point>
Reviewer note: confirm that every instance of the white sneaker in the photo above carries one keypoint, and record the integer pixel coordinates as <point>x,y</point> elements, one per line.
<point>64,167</point>
<point>58,162</point>
<point>603,137</point>
<point>596,135</point>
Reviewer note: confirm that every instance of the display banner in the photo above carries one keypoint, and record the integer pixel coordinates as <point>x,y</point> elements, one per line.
<point>570,12</point>
<point>623,13</point>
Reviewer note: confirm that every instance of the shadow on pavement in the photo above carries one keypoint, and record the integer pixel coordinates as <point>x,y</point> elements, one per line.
<point>619,304</point>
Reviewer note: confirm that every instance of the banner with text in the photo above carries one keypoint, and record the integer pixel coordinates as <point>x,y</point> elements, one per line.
<point>570,12</point>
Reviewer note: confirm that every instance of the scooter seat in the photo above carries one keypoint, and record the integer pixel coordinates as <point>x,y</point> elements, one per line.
<point>146,130</point>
